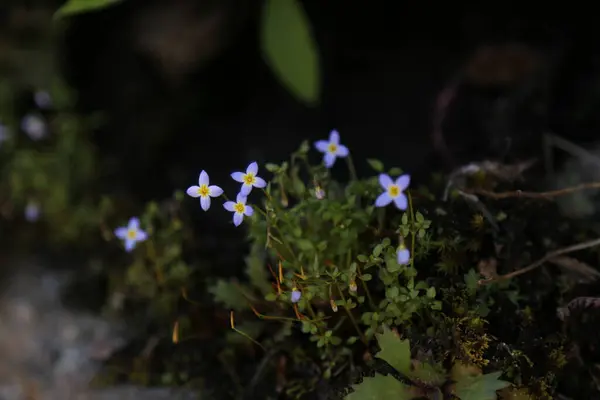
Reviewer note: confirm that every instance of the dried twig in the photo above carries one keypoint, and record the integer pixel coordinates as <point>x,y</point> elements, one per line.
<point>579,303</point>
<point>534,195</point>
<point>546,258</point>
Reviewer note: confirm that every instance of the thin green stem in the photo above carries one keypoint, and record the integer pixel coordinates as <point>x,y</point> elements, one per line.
<point>352,319</point>
<point>412,230</point>
<point>351,168</point>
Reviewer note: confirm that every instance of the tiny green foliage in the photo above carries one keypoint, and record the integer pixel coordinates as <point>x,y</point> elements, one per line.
<point>73,7</point>
<point>290,49</point>
<point>482,387</point>
<point>394,351</point>
<point>380,387</point>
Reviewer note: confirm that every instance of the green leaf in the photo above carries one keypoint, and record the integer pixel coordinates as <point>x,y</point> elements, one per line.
<point>375,164</point>
<point>73,7</point>
<point>482,387</point>
<point>472,281</point>
<point>290,49</point>
<point>394,351</point>
<point>380,387</point>
<point>229,294</point>
<point>257,270</point>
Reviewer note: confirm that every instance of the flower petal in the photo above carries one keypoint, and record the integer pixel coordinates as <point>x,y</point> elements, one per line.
<point>205,202</point>
<point>403,181</point>
<point>401,201</point>
<point>134,223</point>
<point>121,232</point>
<point>385,181</point>
<point>248,211</point>
<point>238,176</point>
<point>192,191</point>
<point>129,245</point>
<point>203,178</point>
<point>238,218</point>
<point>329,160</point>
<point>241,198</point>
<point>215,191</point>
<point>403,256</point>
<point>334,137</point>
<point>141,236</point>
<point>383,200</point>
<point>229,206</point>
<point>260,182</point>
<point>322,145</point>
<point>245,190</point>
<point>295,296</point>
<point>252,168</point>
<point>342,151</point>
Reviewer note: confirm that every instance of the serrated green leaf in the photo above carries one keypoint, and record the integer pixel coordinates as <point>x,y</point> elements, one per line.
<point>394,350</point>
<point>290,49</point>
<point>257,270</point>
<point>482,387</point>
<point>229,294</point>
<point>380,387</point>
<point>72,7</point>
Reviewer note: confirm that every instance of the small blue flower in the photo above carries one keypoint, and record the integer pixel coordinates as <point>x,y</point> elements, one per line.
<point>403,255</point>
<point>205,191</point>
<point>34,126</point>
<point>249,179</point>
<point>393,191</point>
<point>239,209</point>
<point>296,295</point>
<point>42,99</point>
<point>131,234</point>
<point>32,211</point>
<point>332,148</point>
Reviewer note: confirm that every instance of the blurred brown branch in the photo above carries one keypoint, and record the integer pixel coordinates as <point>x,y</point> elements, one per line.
<point>533,195</point>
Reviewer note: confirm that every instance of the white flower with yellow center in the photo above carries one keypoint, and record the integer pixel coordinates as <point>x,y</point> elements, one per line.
<point>249,179</point>
<point>332,148</point>
<point>393,191</point>
<point>131,234</point>
<point>239,209</point>
<point>204,190</point>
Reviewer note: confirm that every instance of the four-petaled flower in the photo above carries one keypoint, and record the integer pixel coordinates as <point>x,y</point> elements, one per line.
<point>296,295</point>
<point>249,179</point>
<point>131,233</point>
<point>393,191</point>
<point>331,148</point>
<point>403,255</point>
<point>239,209</point>
<point>205,191</point>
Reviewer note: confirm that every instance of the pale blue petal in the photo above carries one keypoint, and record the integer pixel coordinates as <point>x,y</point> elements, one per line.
<point>334,137</point>
<point>215,191</point>
<point>383,200</point>
<point>245,190</point>
<point>260,183</point>
<point>121,233</point>
<point>249,211</point>
<point>193,191</point>
<point>401,201</point>
<point>385,181</point>
<point>238,176</point>
<point>342,151</point>
<point>203,179</point>
<point>134,223</point>
<point>141,236</point>
<point>241,198</point>
<point>205,202</point>
<point>129,245</point>
<point>403,256</point>
<point>329,160</point>
<point>252,168</point>
<point>237,219</point>
<point>229,206</point>
<point>322,146</point>
<point>296,296</point>
<point>403,181</point>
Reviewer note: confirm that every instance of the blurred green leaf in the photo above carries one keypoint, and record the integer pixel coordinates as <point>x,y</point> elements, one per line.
<point>394,351</point>
<point>375,164</point>
<point>290,49</point>
<point>72,7</point>
<point>481,387</point>
<point>229,294</point>
<point>257,270</point>
<point>380,387</point>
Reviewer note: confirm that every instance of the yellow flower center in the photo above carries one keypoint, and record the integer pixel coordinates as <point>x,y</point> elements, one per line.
<point>333,148</point>
<point>203,191</point>
<point>239,208</point>
<point>393,191</point>
<point>249,179</point>
<point>131,234</point>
